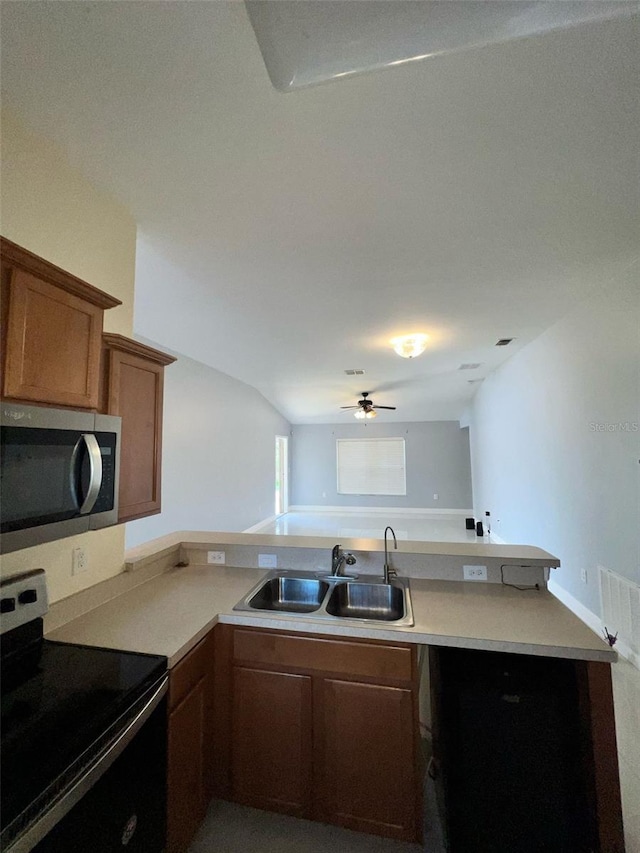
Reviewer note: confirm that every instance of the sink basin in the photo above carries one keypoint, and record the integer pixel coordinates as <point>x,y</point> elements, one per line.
<point>331,599</point>
<point>379,601</point>
<point>294,595</point>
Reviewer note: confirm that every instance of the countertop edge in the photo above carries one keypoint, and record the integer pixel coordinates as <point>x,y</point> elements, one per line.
<point>409,635</point>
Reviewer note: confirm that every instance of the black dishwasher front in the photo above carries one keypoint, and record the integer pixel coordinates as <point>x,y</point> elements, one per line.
<point>511,753</point>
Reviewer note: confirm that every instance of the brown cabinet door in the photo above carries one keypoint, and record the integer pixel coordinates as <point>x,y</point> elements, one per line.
<point>53,341</point>
<point>135,394</point>
<point>186,800</point>
<point>132,387</point>
<point>366,769</point>
<point>271,741</point>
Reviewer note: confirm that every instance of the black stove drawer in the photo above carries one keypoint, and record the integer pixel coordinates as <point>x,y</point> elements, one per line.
<point>126,808</point>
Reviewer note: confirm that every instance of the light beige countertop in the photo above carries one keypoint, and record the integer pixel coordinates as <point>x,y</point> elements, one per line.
<point>172,612</point>
<point>206,538</point>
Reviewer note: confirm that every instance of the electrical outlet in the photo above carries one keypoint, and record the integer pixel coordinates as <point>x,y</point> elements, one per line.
<point>217,558</point>
<point>435,496</point>
<point>583,575</point>
<point>80,561</point>
<point>267,561</point>
<point>474,573</point>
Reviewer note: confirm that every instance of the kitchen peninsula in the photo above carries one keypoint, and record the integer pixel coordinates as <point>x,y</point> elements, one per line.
<point>230,668</point>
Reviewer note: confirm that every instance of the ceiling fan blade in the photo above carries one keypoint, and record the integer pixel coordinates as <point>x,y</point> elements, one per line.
<point>349,407</point>
<point>393,408</point>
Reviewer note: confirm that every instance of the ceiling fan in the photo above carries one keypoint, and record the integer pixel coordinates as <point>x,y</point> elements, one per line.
<point>365,408</point>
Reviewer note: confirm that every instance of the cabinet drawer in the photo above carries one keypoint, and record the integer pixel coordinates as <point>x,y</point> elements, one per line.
<point>191,669</point>
<point>374,660</point>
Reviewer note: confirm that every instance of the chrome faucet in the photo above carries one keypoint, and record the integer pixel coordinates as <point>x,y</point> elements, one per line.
<point>338,560</point>
<point>388,571</point>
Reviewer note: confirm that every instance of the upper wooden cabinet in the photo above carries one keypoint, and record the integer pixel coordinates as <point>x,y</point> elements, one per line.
<point>132,387</point>
<point>52,332</point>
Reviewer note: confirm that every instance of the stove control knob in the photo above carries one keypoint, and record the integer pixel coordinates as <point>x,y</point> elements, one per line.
<point>28,596</point>
<point>7,605</point>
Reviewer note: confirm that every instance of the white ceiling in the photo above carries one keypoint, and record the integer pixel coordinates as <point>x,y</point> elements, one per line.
<point>287,237</point>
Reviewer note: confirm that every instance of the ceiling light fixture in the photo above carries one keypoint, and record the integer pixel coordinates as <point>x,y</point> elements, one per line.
<point>409,346</point>
<point>361,414</point>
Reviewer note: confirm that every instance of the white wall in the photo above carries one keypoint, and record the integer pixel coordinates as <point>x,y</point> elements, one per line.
<point>437,460</point>
<point>555,449</point>
<point>218,460</point>
<point>52,210</point>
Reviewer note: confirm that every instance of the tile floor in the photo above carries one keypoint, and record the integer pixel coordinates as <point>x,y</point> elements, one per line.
<point>230,828</point>
<point>434,528</point>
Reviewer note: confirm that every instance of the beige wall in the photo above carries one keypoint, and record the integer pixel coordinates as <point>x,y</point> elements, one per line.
<point>52,210</point>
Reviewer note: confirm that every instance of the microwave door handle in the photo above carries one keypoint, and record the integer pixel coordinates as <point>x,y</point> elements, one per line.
<point>74,472</point>
<point>95,472</point>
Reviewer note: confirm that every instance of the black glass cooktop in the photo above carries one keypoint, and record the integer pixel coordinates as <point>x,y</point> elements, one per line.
<point>55,706</point>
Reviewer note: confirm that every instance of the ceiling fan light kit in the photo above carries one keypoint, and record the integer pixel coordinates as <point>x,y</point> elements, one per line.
<point>409,346</point>
<point>365,408</point>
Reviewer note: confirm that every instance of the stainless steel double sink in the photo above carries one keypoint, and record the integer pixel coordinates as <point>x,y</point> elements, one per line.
<point>331,598</point>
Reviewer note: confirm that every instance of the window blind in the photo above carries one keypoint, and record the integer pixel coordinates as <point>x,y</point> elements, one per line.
<point>371,466</point>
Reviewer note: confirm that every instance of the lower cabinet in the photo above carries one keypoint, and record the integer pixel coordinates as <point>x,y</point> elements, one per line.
<point>189,745</point>
<point>271,764</point>
<point>524,750</point>
<point>365,777</point>
<point>321,728</point>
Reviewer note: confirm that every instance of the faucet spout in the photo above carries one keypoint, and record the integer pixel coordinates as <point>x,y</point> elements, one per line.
<point>388,571</point>
<point>337,560</point>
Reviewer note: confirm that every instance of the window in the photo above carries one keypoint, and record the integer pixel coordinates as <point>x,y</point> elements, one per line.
<point>371,466</point>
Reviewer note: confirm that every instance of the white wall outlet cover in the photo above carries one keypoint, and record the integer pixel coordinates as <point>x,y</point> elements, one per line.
<point>217,558</point>
<point>474,573</point>
<point>80,561</point>
<point>267,561</point>
<point>435,496</point>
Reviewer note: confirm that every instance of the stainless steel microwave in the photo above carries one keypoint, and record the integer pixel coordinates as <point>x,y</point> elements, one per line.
<point>59,474</point>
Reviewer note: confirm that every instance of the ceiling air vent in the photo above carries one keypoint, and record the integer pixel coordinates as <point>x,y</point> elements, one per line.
<point>469,366</point>
<point>354,371</point>
<point>504,342</point>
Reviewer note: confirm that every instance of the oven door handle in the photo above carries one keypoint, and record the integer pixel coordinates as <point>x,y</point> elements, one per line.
<point>38,830</point>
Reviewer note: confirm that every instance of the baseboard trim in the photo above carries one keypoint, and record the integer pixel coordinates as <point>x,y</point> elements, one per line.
<point>591,620</point>
<point>381,510</point>
<point>256,527</point>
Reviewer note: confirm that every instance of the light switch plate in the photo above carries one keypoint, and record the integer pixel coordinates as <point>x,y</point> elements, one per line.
<point>267,561</point>
<point>217,558</point>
